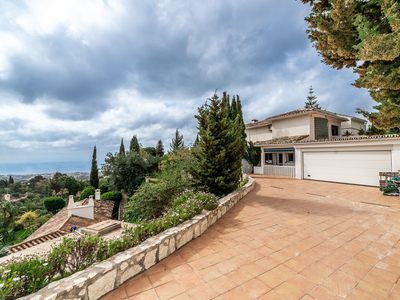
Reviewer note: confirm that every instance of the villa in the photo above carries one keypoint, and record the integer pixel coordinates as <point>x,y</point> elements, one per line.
<point>316,144</point>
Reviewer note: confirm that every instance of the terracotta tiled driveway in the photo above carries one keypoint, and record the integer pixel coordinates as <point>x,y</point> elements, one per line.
<point>287,239</point>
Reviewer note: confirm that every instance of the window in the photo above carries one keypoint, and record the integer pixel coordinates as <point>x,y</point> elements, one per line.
<point>291,157</point>
<point>268,158</point>
<point>321,128</point>
<point>335,130</point>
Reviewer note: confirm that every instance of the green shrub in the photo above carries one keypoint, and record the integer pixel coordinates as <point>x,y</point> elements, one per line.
<point>54,203</point>
<point>104,188</point>
<point>87,192</point>
<point>16,195</point>
<point>113,196</point>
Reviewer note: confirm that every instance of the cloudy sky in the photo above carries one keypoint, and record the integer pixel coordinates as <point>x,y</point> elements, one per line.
<point>79,73</point>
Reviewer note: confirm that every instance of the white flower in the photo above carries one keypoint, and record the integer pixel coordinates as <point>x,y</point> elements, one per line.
<point>1,285</point>
<point>45,264</point>
<point>8,271</point>
<point>16,278</point>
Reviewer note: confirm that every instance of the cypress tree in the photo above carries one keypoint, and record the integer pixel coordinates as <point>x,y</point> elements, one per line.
<point>233,112</point>
<point>94,171</point>
<point>134,146</point>
<point>218,167</point>
<point>160,148</point>
<point>122,147</point>
<point>311,100</point>
<point>177,142</point>
<point>10,180</point>
<point>241,121</point>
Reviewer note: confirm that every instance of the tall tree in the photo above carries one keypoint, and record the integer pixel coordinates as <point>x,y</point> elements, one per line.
<point>240,115</point>
<point>122,147</point>
<point>219,156</point>
<point>10,180</point>
<point>311,100</point>
<point>197,141</point>
<point>134,146</point>
<point>364,35</point>
<point>177,142</point>
<point>233,111</point>
<point>160,148</point>
<point>94,171</point>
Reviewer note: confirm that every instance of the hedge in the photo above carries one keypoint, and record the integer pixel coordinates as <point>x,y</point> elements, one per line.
<point>54,203</point>
<point>87,192</point>
<point>113,196</point>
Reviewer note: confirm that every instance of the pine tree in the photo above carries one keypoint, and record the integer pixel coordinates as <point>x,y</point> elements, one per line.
<point>134,146</point>
<point>94,171</point>
<point>218,167</point>
<point>160,148</point>
<point>312,100</point>
<point>122,147</point>
<point>197,141</point>
<point>365,36</point>
<point>177,142</point>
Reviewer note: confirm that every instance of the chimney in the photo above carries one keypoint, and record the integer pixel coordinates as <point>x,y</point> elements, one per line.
<point>97,195</point>
<point>254,121</point>
<point>77,209</point>
<point>91,202</point>
<point>71,203</point>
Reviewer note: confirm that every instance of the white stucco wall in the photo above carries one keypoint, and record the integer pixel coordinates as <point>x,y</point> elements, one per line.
<point>353,126</point>
<point>258,134</point>
<point>298,125</point>
<point>331,121</point>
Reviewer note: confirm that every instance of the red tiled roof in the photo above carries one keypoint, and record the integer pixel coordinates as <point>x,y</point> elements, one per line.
<point>282,140</point>
<point>298,112</point>
<point>60,221</point>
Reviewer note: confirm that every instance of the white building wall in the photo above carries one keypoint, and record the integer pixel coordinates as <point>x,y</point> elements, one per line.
<point>258,134</point>
<point>291,126</point>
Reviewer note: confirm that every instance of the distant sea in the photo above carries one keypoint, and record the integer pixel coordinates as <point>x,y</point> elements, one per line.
<point>47,167</point>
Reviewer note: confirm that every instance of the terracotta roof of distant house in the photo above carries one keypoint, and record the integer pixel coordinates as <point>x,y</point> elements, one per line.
<point>282,140</point>
<point>300,111</point>
<point>61,222</point>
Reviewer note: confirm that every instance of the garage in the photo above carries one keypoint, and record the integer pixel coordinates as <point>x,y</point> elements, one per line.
<point>354,167</point>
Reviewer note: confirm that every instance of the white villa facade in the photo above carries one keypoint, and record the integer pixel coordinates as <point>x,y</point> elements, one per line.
<point>309,144</point>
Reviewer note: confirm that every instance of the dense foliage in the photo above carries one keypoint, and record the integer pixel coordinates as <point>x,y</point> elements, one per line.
<point>63,185</point>
<point>54,203</point>
<point>252,155</point>
<point>128,171</point>
<point>113,196</point>
<point>220,150</point>
<point>364,35</point>
<point>88,191</point>
<point>134,145</point>
<point>177,142</point>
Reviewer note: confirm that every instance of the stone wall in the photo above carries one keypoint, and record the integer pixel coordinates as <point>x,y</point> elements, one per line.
<point>101,278</point>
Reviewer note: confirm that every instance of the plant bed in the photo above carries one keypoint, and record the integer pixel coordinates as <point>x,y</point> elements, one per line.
<point>103,277</point>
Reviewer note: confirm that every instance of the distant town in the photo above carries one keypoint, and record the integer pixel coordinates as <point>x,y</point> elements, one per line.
<point>25,177</point>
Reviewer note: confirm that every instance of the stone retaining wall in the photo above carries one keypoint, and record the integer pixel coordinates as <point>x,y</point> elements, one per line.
<point>101,278</point>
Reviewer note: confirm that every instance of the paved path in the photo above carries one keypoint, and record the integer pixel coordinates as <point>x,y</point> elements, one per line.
<point>287,239</point>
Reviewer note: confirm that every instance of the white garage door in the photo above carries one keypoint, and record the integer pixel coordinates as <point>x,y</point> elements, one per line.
<point>358,167</point>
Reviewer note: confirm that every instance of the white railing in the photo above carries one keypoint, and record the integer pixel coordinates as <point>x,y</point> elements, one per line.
<point>287,171</point>
<point>258,170</point>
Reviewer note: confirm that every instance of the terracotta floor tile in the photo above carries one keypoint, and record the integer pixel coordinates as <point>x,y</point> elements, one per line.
<point>289,291</point>
<point>181,271</point>
<point>253,269</point>
<point>279,257</point>
<point>202,292</point>
<point>138,286</point>
<point>340,288</point>
<point>284,272</point>
<point>219,247</point>
<point>302,283</point>
<point>209,273</point>
<point>267,263</point>
<point>396,289</point>
<point>265,251</point>
<point>215,258</point>
<point>346,278</point>
<point>240,260</point>
<point>270,279</point>
<point>253,255</point>
<point>239,276</point>
<point>199,264</point>
<point>190,256</point>
<point>222,284</point>
<point>172,262</point>
<point>183,296</point>
<point>229,253</point>
<point>372,290</point>
<point>197,244</point>
<point>379,281</point>
<point>205,251</point>
<point>147,295</point>
<point>190,281</point>
<point>117,294</point>
<point>161,278</point>
<point>357,295</point>
<point>254,245</point>
<point>353,271</point>
<point>242,248</point>
<point>295,265</point>
<point>236,294</point>
<point>160,267</point>
<point>226,267</point>
<point>169,290</point>
<point>255,288</point>
<point>321,292</point>
<point>271,296</point>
